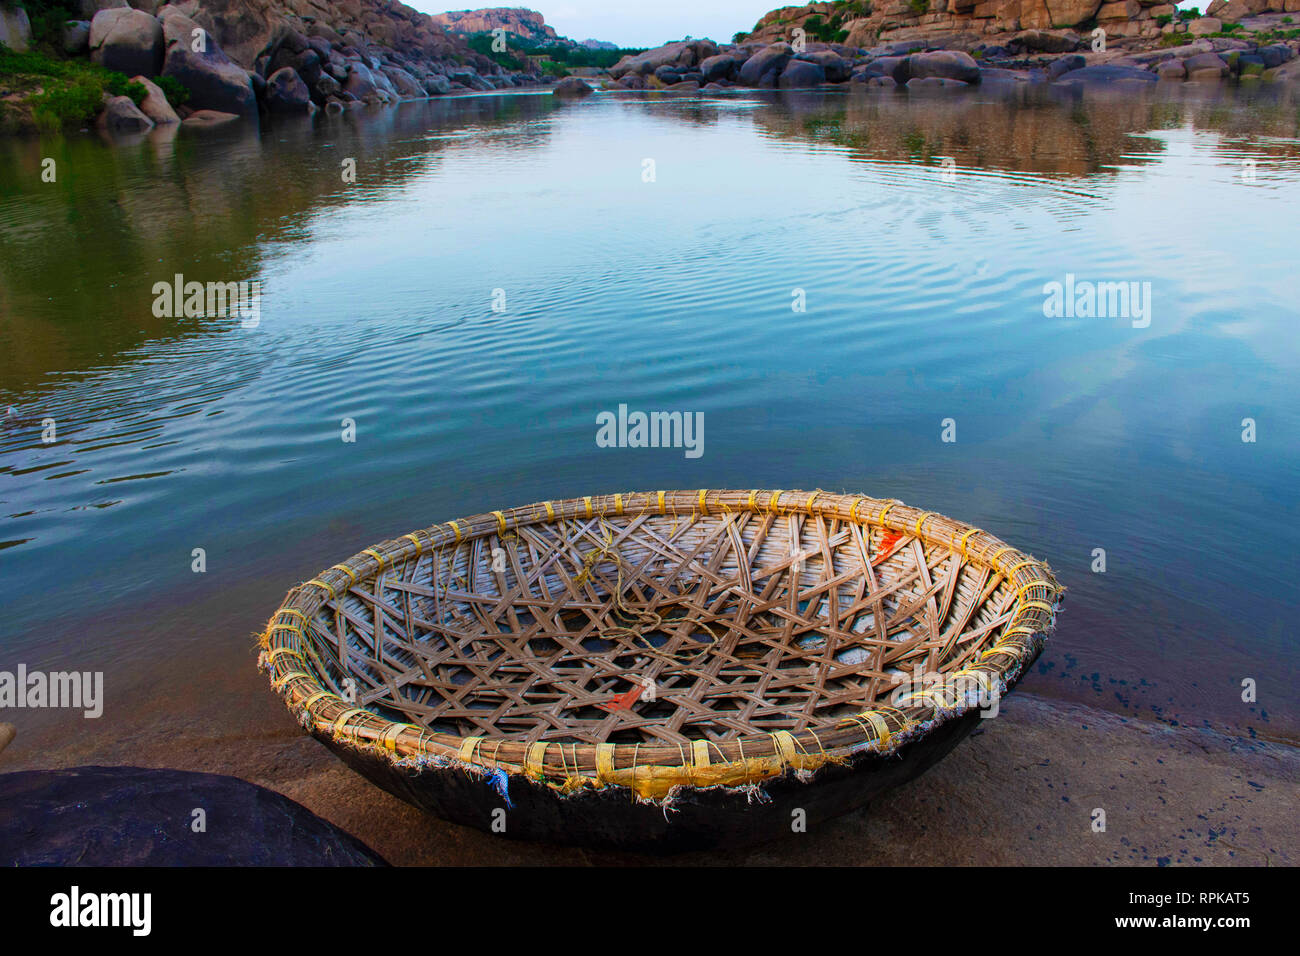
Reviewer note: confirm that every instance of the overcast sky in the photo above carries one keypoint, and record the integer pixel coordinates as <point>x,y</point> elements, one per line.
<point>636,22</point>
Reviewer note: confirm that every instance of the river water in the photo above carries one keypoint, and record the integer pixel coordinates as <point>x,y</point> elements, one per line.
<point>838,282</point>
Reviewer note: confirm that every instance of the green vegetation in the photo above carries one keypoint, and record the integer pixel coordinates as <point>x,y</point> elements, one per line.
<point>482,43</point>
<point>919,6</point>
<point>172,89</point>
<point>47,18</point>
<point>581,56</point>
<point>832,30</point>
<point>1175,39</point>
<point>1165,19</point>
<point>1191,13</point>
<point>63,92</point>
<point>853,9</point>
<point>827,31</point>
<point>556,58</point>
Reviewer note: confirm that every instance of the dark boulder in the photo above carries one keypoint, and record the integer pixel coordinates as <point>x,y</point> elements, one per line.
<point>720,67</point>
<point>321,46</point>
<point>121,115</point>
<point>1043,41</point>
<point>763,68</point>
<point>683,55</point>
<point>407,86</point>
<point>307,64</point>
<point>945,65</point>
<point>802,75</point>
<point>836,68</point>
<point>573,86</point>
<point>894,67</point>
<point>76,37</point>
<point>1064,65</point>
<point>129,816</point>
<point>361,84</point>
<point>128,41</point>
<point>214,82</point>
<point>287,93</point>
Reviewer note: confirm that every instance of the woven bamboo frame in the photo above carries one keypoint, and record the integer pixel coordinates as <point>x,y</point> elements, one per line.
<point>957,600</point>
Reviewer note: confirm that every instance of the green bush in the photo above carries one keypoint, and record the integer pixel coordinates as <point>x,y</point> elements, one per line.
<point>826,32</point>
<point>558,53</point>
<point>72,105</point>
<point>1175,39</point>
<point>47,18</point>
<point>581,56</point>
<point>853,9</point>
<point>72,90</point>
<point>482,43</point>
<point>1165,19</point>
<point>119,85</point>
<point>172,89</point>
<point>919,6</point>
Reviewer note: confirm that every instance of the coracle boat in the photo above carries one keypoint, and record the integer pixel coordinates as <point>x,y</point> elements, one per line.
<point>660,671</point>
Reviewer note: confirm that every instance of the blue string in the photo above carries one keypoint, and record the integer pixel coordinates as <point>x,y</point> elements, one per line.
<point>499,781</point>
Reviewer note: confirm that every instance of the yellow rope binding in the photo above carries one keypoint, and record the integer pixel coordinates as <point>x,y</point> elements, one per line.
<point>340,722</point>
<point>467,748</point>
<point>533,759</point>
<point>604,763</point>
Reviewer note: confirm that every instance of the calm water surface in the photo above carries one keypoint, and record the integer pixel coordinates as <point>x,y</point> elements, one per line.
<point>924,293</point>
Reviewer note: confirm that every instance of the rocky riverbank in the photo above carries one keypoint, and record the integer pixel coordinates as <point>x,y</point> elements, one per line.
<point>212,61</point>
<point>1264,53</point>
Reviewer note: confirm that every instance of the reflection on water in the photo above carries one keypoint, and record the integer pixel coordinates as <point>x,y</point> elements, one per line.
<point>921,231</point>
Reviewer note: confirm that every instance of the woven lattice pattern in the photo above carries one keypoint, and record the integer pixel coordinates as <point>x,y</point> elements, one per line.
<point>740,622</point>
<point>656,630</point>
